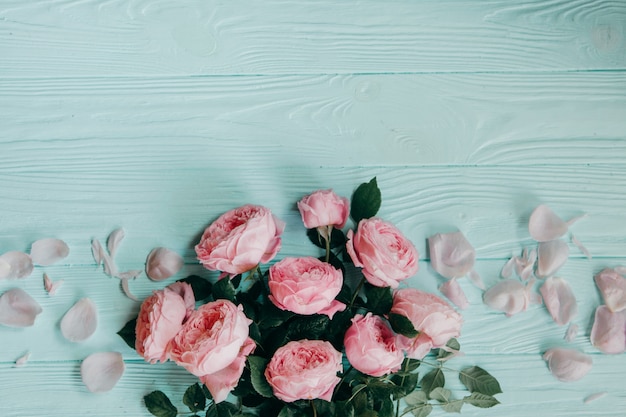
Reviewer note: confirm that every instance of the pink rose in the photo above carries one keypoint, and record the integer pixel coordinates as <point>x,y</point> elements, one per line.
<point>371,346</point>
<point>306,286</point>
<point>304,370</point>
<point>240,239</point>
<point>161,316</point>
<point>386,256</point>
<point>211,339</point>
<point>435,319</point>
<point>324,208</point>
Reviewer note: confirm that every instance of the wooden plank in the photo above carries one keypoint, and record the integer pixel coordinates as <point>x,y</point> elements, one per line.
<point>78,38</point>
<point>66,124</point>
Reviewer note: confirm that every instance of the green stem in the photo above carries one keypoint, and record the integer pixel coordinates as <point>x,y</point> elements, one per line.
<point>343,378</point>
<point>314,409</point>
<point>406,369</point>
<point>327,258</point>
<point>356,292</point>
<point>355,394</point>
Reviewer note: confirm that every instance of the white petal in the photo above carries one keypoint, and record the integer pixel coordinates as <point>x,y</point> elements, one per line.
<point>507,269</point>
<point>476,279</point>
<point>594,397</point>
<point>567,364</point>
<point>613,289</point>
<point>572,331</point>
<point>80,321</point>
<point>51,287</point>
<point>607,332</point>
<point>544,225</point>
<point>581,247</point>
<point>101,371</point>
<point>110,267</point>
<point>454,292</point>
<point>20,265</point>
<point>451,254</point>
<point>126,290</point>
<point>132,274</point>
<point>48,251</point>
<point>162,263</point>
<point>559,300</point>
<point>21,361</point>
<point>508,296</point>
<point>620,270</point>
<point>18,309</point>
<point>550,257</point>
<point>114,240</point>
<point>97,251</point>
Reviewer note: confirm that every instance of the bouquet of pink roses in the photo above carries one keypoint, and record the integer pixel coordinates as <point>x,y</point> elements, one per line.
<point>300,338</point>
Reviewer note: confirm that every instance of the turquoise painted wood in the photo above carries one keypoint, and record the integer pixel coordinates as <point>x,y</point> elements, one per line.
<point>157,116</point>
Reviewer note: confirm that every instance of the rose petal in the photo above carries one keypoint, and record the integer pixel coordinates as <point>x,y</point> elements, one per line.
<point>162,263</point>
<point>51,287</point>
<point>544,225</point>
<point>97,251</point>
<point>453,291</point>
<point>508,296</point>
<point>21,361</point>
<point>101,371</point>
<point>581,247</point>
<point>48,251</point>
<point>476,279</point>
<point>451,254</point>
<point>612,286</point>
<point>114,240</point>
<point>571,333</point>
<point>15,265</point>
<point>566,364</point>
<point>126,289</point>
<point>80,321</point>
<point>18,309</point>
<point>550,257</point>
<point>594,397</point>
<point>559,300</point>
<point>607,332</point>
<point>128,275</point>
<point>507,269</point>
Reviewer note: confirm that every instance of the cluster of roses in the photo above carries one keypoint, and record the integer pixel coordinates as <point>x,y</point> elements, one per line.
<point>213,340</point>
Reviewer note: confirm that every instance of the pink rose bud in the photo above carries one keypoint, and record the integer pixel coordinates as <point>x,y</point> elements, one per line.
<point>304,370</point>
<point>160,318</point>
<point>324,208</point>
<point>240,239</point>
<point>371,346</point>
<point>306,286</point>
<point>386,256</point>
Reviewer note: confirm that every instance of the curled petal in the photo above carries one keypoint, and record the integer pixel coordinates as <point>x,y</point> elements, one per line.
<point>559,300</point>
<point>551,256</point>
<point>21,361</point>
<point>451,254</point>
<point>162,263</point>
<point>571,333</point>
<point>613,289</point>
<point>127,275</point>
<point>15,264</point>
<point>581,247</point>
<point>101,371</point>
<point>80,321</point>
<point>114,240</point>
<point>507,269</point>
<point>97,251</point>
<point>48,251</point>
<point>50,286</point>
<point>508,296</point>
<point>18,309</point>
<point>453,291</point>
<point>567,364</point>
<point>126,289</point>
<point>607,333</point>
<point>544,225</point>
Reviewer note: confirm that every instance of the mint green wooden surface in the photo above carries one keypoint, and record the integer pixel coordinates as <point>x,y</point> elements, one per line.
<point>157,116</point>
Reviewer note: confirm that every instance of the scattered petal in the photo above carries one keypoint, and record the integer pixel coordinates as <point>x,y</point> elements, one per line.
<point>48,251</point>
<point>594,397</point>
<point>607,333</point>
<point>476,279</point>
<point>21,361</point>
<point>451,254</point>
<point>51,287</point>
<point>613,289</point>
<point>525,265</point>
<point>114,240</point>
<point>575,219</point>
<point>97,251</point>
<point>15,265</point>
<point>110,268</point>
<point>101,371</point>
<point>162,263</point>
<point>507,269</point>
<point>581,247</point>
<point>508,296</point>
<point>620,270</point>
<point>544,225</point>
<point>127,290</point>
<point>559,300</point>
<point>550,257</point>
<point>132,274</point>
<point>454,292</point>
<point>80,321</point>
<point>566,364</point>
<point>571,333</point>
<point>18,309</point>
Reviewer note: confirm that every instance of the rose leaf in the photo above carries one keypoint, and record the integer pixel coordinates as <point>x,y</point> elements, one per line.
<point>366,201</point>
<point>159,405</point>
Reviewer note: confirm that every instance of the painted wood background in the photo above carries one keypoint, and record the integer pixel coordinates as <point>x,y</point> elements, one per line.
<point>157,116</point>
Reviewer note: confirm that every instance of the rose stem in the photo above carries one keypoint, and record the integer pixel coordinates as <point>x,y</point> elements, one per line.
<point>406,368</point>
<point>313,407</point>
<point>356,292</point>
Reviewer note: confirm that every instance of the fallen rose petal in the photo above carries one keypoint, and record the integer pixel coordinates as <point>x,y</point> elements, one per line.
<point>128,275</point>
<point>451,255</point>
<point>594,397</point>
<point>110,267</point>
<point>550,257</point>
<point>101,371</point>
<point>21,361</point>
<point>620,270</point>
<point>126,289</point>
<point>51,287</point>
<point>20,265</point>
<point>544,225</point>
<point>571,332</point>
<point>48,251</point>
<point>97,251</point>
<point>566,364</point>
<point>508,296</point>
<point>507,269</point>
<point>162,263</point>
<point>525,265</point>
<point>80,321</point>
<point>607,332</point>
<point>581,247</point>
<point>612,286</point>
<point>476,279</point>
<point>453,291</point>
<point>559,300</point>
<point>18,309</point>
<point>114,240</point>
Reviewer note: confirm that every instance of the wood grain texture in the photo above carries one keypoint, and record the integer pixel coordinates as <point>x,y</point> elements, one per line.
<point>78,38</point>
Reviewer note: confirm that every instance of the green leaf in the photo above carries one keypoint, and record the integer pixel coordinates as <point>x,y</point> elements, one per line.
<point>453,406</point>
<point>206,392</point>
<point>453,344</point>
<point>481,400</point>
<point>416,397</point>
<point>223,409</point>
<point>433,379</point>
<point>224,289</point>
<point>379,299</point>
<point>440,394</point>
<point>419,410</point>
<point>383,390</point>
<point>257,376</point>
<point>272,316</point>
<point>194,398</point>
<point>344,409</point>
<point>409,365</point>
<point>309,327</point>
<point>386,409</point>
<point>477,379</point>
<point>201,287</point>
<point>159,405</point>
<point>408,383</point>
<point>401,324</point>
<point>337,238</point>
<point>366,201</point>
<point>128,332</point>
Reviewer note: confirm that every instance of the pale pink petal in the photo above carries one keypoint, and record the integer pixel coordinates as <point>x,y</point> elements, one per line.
<point>608,331</point>
<point>48,251</point>
<point>476,279</point>
<point>162,263</point>
<point>559,300</point>
<point>132,274</point>
<point>15,265</point>
<point>571,333</point>
<point>525,265</point>
<point>567,365</point>
<point>581,247</point>
<point>97,251</point>
<point>575,219</point>
<point>80,321</point>
<point>101,371</point>
<point>507,269</point>
<point>620,270</point>
<point>18,309</point>
<point>334,307</point>
<point>544,225</point>
<point>508,296</point>
<point>451,254</point>
<point>550,257</point>
<point>612,286</point>
<point>110,268</point>
<point>453,291</point>
<point>50,286</point>
<point>594,397</point>
<point>126,290</point>
<point>21,361</point>
<point>114,240</point>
